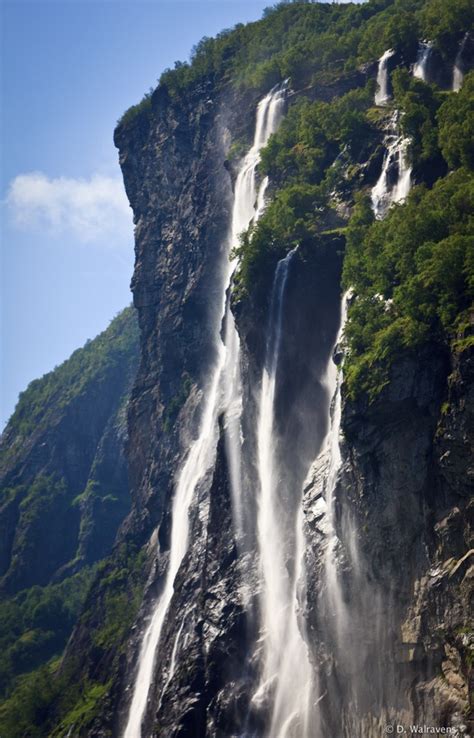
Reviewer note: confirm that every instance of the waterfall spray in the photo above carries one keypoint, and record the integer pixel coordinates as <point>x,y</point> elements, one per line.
<point>384,193</point>
<point>333,451</point>
<point>249,204</point>
<point>458,74</point>
<point>286,679</point>
<point>349,603</point>
<point>382,95</point>
<point>222,395</point>
<point>421,64</point>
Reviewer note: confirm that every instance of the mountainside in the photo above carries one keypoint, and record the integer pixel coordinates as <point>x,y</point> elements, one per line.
<point>297,561</point>
<point>64,493</point>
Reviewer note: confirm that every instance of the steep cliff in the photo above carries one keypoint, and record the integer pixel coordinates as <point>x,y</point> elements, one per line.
<point>315,523</point>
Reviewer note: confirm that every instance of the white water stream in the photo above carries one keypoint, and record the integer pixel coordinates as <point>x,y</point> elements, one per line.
<point>458,74</point>
<point>332,448</point>
<point>385,193</point>
<point>249,203</point>
<point>286,678</point>
<point>382,95</point>
<point>222,394</point>
<point>421,64</point>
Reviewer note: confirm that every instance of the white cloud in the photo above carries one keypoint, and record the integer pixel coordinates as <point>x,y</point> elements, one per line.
<point>87,209</point>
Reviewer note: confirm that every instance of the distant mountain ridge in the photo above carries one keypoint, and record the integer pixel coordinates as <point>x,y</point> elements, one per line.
<point>64,490</point>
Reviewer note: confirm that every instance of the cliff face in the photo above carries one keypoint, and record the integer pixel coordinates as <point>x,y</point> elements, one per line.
<point>403,462</point>
<point>400,500</point>
<point>179,190</point>
<point>182,213</point>
<point>405,532</point>
<point>179,182</point>
<point>374,566</point>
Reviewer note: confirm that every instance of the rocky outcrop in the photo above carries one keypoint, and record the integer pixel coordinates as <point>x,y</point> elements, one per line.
<point>173,166</point>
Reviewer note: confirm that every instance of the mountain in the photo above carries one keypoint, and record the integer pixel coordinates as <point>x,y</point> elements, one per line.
<point>297,560</point>
<point>65,491</point>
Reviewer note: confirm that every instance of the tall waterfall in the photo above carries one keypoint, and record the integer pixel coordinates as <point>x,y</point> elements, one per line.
<point>382,95</point>
<point>333,450</point>
<point>421,64</point>
<point>389,189</point>
<point>249,203</point>
<point>286,674</point>
<point>458,74</point>
<point>222,394</point>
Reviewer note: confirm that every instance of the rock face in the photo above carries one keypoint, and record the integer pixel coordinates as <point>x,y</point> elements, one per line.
<point>180,186</point>
<point>64,461</point>
<point>181,192</point>
<point>401,499</point>
<point>401,654</point>
<point>410,578</point>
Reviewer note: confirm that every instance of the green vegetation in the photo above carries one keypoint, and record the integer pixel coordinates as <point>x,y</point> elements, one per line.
<point>25,713</point>
<point>420,103</point>
<point>413,275</point>
<point>42,696</point>
<point>314,155</point>
<point>94,362</point>
<point>442,21</point>
<point>119,589</point>
<point>313,42</point>
<point>176,403</point>
<point>50,701</point>
<point>456,126</point>
<point>36,623</point>
<point>313,134</point>
<point>135,111</point>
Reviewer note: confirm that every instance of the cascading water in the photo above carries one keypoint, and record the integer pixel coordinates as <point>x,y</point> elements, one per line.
<point>382,95</point>
<point>458,74</point>
<point>249,204</point>
<point>333,451</point>
<point>387,191</point>
<point>222,395</point>
<point>402,188</point>
<point>421,65</point>
<point>199,460</point>
<point>351,627</point>
<point>458,78</point>
<point>286,678</point>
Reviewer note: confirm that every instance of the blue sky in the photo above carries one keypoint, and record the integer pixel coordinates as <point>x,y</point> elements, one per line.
<point>69,70</point>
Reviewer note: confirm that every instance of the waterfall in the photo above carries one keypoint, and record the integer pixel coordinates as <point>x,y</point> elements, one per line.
<point>333,452</point>
<point>249,204</point>
<point>421,64</point>
<point>382,95</point>
<point>199,460</point>
<point>286,674</point>
<point>402,188</point>
<point>172,666</point>
<point>351,626</point>
<point>386,192</point>
<point>221,395</point>
<point>458,78</point>
<point>458,74</point>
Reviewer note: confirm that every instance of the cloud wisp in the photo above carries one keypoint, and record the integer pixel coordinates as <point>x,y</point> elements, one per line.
<point>88,209</point>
